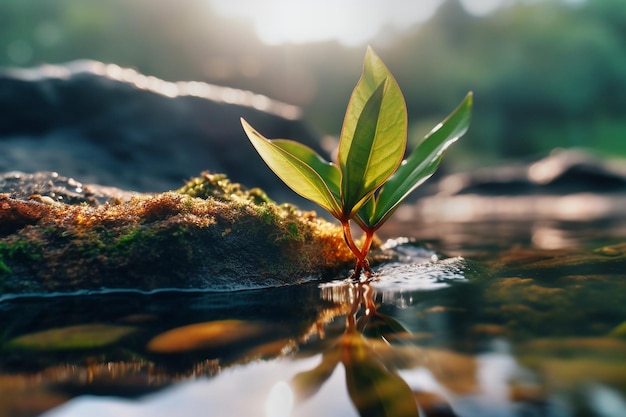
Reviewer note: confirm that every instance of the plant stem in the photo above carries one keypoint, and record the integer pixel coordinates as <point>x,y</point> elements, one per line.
<point>362,264</point>
<point>367,243</point>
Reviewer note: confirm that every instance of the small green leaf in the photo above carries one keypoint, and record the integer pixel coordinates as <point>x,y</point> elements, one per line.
<point>294,172</point>
<point>327,170</point>
<point>307,383</point>
<point>419,166</point>
<point>373,136</point>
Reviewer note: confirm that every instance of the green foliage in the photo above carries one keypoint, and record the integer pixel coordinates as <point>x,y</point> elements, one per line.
<point>418,167</point>
<point>546,71</point>
<point>297,174</point>
<point>218,186</point>
<point>373,136</point>
<point>366,351</point>
<point>371,179</point>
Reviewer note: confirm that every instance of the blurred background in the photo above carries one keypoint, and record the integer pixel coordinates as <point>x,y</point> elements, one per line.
<point>545,73</point>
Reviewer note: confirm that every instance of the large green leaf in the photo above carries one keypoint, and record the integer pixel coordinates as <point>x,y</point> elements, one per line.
<point>373,136</point>
<point>294,172</point>
<point>419,166</point>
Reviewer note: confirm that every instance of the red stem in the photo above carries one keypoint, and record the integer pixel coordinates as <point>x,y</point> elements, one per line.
<point>362,263</point>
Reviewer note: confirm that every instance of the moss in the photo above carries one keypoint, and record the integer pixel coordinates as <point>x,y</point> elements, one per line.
<point>210,233</point>
<point>268,214</point>
<point>294,231</point>
<point>218,186</point>
<point>284,217</point>
<point>4,268</point>
<point>17,251</point>
<point>129,242</point>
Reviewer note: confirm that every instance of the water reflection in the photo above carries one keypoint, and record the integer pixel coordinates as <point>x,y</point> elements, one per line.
<point>371,371</point>
<point>526,333</point>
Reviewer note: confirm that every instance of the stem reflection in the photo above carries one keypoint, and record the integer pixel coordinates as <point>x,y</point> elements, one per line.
<point>372,380</point>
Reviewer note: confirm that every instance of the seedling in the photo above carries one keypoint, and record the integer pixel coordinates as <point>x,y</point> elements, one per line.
<point>370,178</point>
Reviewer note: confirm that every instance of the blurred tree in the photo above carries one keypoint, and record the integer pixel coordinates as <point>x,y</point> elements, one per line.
<point>544,74</point>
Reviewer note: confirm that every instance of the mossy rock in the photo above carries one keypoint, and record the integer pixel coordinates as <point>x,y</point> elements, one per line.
<point>210,234</point>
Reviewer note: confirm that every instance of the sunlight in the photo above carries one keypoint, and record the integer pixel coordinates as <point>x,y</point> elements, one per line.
<point>351,22</point>
<point>482,7</point>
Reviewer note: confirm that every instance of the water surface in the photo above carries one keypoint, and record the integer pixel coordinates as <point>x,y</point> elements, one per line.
<point>482,320</point>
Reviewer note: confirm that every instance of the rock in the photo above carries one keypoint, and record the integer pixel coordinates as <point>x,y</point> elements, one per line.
<point>115,127</point>
<point>529,290</point>
<point>209,235</point>
<point>570,186</point>
<point>561,172</point>
<point>52,187</point>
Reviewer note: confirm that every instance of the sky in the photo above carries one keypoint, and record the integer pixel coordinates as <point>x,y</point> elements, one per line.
<point>351,22</point>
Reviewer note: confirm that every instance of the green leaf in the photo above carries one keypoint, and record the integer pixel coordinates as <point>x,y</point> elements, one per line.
<point>308,383</point>
<point>381,326</point>
<point>419,166</point>
<point>327,170</point>
<point>373,388</point>
<point>294,172</point>
<point>373,136</point>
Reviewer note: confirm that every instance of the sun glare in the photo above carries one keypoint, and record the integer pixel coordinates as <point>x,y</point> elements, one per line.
<point>482,7</point>
<point>351,22</point>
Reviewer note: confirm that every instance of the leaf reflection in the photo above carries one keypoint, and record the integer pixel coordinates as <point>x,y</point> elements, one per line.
<point>374,386</point>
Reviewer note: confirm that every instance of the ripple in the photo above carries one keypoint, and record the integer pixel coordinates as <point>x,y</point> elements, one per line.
<point>424,276</point>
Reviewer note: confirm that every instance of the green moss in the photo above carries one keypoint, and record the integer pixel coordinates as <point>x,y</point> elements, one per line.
<point>218,186</point>
<point>268,214</point>
<point>284,218</point>
<point>18,250</point>
<point>294,231</point>
<point>258,196</point>
<point>4,269</point>
<point>208,233</point>
<point>128,242</point>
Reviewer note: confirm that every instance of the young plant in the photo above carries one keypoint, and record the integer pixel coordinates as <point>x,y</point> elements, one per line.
<point>370,178</point>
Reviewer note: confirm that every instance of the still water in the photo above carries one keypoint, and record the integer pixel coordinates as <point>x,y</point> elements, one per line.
<point>473,320</point>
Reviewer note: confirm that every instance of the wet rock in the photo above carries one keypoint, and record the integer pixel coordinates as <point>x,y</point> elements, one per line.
<point>577,362</point>
<point>51,187</point>
<point>609,259</point>
<point>116,127</point>
<point>549,203</point>
<point>561,172</point>
<point>212,235</point>
<point>530,290</point>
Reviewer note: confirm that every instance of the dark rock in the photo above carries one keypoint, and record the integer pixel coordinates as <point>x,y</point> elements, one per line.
<point>557,201</point>
<point>562,172</point>
<point>52,187</point>
<point>113,126</point>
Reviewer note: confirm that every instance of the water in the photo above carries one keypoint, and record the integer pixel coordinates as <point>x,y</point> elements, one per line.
<point>474,320</point>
